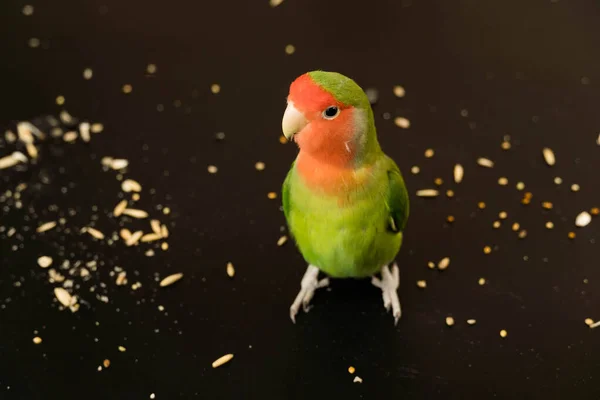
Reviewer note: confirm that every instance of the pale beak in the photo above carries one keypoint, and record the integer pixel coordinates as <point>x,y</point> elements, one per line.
<point>293,121</point>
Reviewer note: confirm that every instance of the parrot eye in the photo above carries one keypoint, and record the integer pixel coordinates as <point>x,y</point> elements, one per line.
<point>331,112</point>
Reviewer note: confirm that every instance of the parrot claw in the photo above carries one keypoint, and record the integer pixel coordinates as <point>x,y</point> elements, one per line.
<point>389,283</point>
<point>308,285</point>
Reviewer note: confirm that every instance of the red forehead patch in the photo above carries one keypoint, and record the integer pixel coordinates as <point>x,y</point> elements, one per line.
<point>308,97</point>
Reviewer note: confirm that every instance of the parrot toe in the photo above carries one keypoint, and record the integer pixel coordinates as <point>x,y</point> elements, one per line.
<point>389,283</point>
<point>309,284</point>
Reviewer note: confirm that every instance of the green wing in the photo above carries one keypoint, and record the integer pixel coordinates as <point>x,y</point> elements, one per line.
<point>397,199</point>
<point>285,193</point>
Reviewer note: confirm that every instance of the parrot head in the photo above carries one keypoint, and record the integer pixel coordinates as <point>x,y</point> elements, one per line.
<point>329,117</point>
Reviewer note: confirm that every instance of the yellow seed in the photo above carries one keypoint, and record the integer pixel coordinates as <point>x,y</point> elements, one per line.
<point>215,88</point>
<point>151,68</point>
<point>122,349</point>
<point>38,340</point>
<point>212,169</point>
<point>505,145</point>
<point>487,249</point>
<point>558,180</point>
<point>282,240</point>
<point>549,225</point>
<point>399,91</point>
<point>60,100</point>
<point>429,153</point>
<point>422,284</point>
<point>415,170</point>
<point>503,181</point>
<point>290,49</point>
<point>497,224</point>
<point>106,363</point>
<point>520,186</point>
<point>230,270</point>
<point>449,321</point>
<point>547,205</point>
<point>444,263</point>
<point>272,195</point>
<point>522,234</point>
<point>471,321</point>
<point>481,205</point>
<point>589,321</point>
<point>502,215</point>
<point>481,281</point>
<point>516,226</point>
<point>127,88</point>
<point>450,218</point>
<point>351,369</point>
<point>595,211</point>
<point>438,181</point>
<point>164,246</point>
<point>571,235</point>
<point>503,333</point>
<point>402,122</point>
<point>431,265</point>
<point>282,139</point>
<point>222,360</point>
<point>575,187</point>
<point>259,166</point>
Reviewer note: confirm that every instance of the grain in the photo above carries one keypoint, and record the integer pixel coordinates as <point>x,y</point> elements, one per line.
<point>44,261</point>
<point>549,156</point>
<point>171,279</point>
<point>503,215</point>
<point>129,185</point>
<point>222,360</point>
<point>450,193</point>
<point>547,205</point>
<point>444,263</point>
<point>516,226</point>
<point>62,296</point>
<point>450,218</point>
<point>125,234</point>
<point>520,186</point>
<point>459,173</point>
<point>34,42</point>
<point>449,321</point>
<point>122,349</point>
<point>119,163</point>
<point>399,91</point>
<point>589,321</point>
<point>481,205</point>
<point>134,238</point>
<point>70,136</point>
<point>481,281</point>
<point>135,213</point>
<point>427,193</point>
<point>84,131</point>
<point>438,181</point>
<point>37,340</point>
<point>290,49</point>
<point>402,122</point>
<point>155,225</point>
<point>351,369</point>
<point>60,100</point>
<point>164,231</point>
<point>281,241</point>
<point>487,250</point>
<point>571,235</point>
<point>8,161</point>
<point>422,284</point>
<point>595,211</point>
<point>583,219</point>
<point>522,234</point>
<point>471,321</point>
<point>505,145</point>
<point>595,325</point>
<point>549,225</point>
<point>150,237</point>
<point>121,278</point>
<point>46,226</point>
<point>27,10</point>
<point>119,208</point>
<point>95,233</point>
<point>164,246</point>
<point>496,224</point>
<point>485,162</point>
<point>106,363</point>
<point>230,270</point>
<point>503,333</point>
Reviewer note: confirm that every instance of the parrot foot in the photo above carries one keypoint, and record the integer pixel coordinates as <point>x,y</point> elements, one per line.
<point>389,283</point>
<point>308,285</point>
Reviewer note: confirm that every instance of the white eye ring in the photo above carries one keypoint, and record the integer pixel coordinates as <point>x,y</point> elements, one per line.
<point>331,112</point>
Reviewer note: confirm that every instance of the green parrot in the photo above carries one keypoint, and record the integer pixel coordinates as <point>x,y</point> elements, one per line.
<point>344,200</point>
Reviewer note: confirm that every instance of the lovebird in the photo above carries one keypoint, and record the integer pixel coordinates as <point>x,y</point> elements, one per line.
<point>344,200</point>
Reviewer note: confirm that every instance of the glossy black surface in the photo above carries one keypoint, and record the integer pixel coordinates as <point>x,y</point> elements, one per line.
<point>528,69</point>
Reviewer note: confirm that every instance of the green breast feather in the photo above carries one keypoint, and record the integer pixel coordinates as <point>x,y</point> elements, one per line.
<point>354,240</point>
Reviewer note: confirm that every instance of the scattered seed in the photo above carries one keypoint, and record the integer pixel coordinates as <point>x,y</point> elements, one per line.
<point>134,238</point>
<point>129,185</point>
<point>28,10</point>
<point>106,363</point>
<point>44,261</point>
<point>135,213</point>
<point>496,224</point>
<point>399,91</point>
<point>259,166</point>
<point>547,205</point>
<point>484,162</point>
<point>272,195</point>
<point>549,225</point>
<point>282,139</point>
<point>431,265</point>
<point>503,181</point>
<point>119,163</point>
<point>595,325</point>
<point>119,208</point>
<point>520,186</point>
<point>84,131</point>
<point>450,193</point>
<point>150,237</point>
<point>290,49</point>
<point>164,246</point>
<point>571,235</point>
<point>438,181</point>
<point>429,153</point>
<point>503,333</point>
<point>121,278</point>
<point>516,226</point>
<point>357,379</point>
<point>351,369</point>
<point>46,226</point>
<point>164,231</point>
<point>88,74</point>
<point>65,117</point>
<point>95,233</point>
<point>522,234</point>
<point>481,281</point>
<point>481,205</point>
<point>215,88</point>
<point>402,122</point>
<point>422,284</point>
<point>155,225</point>
<point>166,210</point>
<point>122,349</point>
<point>505,145</point>
<point>127,88</point>
<point>444,263</point>
<point>171,279</point>
<point>549,156</point>
<point>583,219</point>
<point>282,240</point>
<point>450,218</point>
<point>151,69</point>
<point>558,180</point>
<point>222,360</point>
<point>37,340</point>
<point>502,215</point>
<point>459,173</point>
<point>34,42</point>
<point>487,249</point>
<point>97,128</point>
<point>588,321</point>
<point>230,270</point>
<point>8,161</point>
<point>575,187</point>
<point>415,170</point>
<point>60,100</point>
<point>471,321</point>
<point>63,296</point>
<point>595,211</point>
<point>212,169</point>
<point>427,193</point>
<point>449,321</point>
<point>70,136</point>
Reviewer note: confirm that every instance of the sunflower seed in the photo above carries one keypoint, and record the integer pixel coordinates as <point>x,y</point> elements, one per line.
<point>549,156</point>
<point>129,185</point>
<point>44,261</point>
<point>46,227</point>
<point>459,172</point>
<point>485,162</point>
<point>135,213</point>
<point>95,233</point>
<point>63,296</point>
<point>222,360</point>
<point>171,279</point>
<point>134,238</point>
<point>583,219</point>
<point>119,208</point>
<point>427,193</point>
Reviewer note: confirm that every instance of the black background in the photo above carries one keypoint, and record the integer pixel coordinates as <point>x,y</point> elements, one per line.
<point>528,69</point>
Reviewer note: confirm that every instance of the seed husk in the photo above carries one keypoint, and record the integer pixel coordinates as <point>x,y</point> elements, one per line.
<point>222,360</point>
<point>119,208</point>
<point>459,173</point>
<point>129,185</point>
<point>583,219</point>
<point>44,261</point>
<point>46,226</point>
<point>428,193</point>
<point>171,279</point>
<point>63,296</point>
<point>485,162</point>
<point>135,213</point>
<point>549,156</point>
